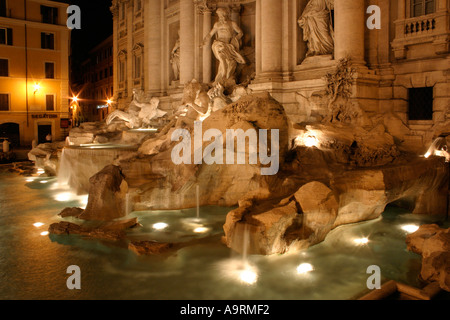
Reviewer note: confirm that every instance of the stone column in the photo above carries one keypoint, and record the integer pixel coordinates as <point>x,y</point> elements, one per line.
<point>207,51</point>
<point>271,40</point>
<point>235,11</point>
<point>130,45</point>
<point>115,13</point>
<point>153,45</point>
<point>349,30</point>
<point>187,40</point>
<point>401,9</point>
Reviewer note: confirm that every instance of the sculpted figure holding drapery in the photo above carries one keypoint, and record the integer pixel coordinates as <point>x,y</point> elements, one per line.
<point>316,23</point>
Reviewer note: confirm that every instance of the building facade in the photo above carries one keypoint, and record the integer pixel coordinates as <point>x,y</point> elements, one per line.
<point>94,84</point>
<point>34,70</point>
<point>289,46</point>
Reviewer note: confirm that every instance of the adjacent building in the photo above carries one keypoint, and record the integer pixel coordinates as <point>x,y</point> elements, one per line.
<point>34,70</point>
<point>93,84</point>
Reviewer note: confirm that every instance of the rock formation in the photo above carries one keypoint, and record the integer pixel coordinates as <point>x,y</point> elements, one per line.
<point>107,195</point>
<point>433,244</point>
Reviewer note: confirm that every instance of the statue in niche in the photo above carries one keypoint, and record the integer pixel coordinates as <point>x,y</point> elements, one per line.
<point>226,48</point>
<point>175,59</point>
<point>316,23</point>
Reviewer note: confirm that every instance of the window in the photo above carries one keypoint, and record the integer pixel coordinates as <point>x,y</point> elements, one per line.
<point>122,11</point>
<point>4,68</point>
<point>110,71</point>
<point>49,70</point>
<point>50,102</point>
<point>49,15</point>
<point>47,40</point>
<point>4,102</point>
<point>422,7</point>
<point>138,5</point>
<point>420,103</point>
<point>2,8</point>
<point>121,71</point>
<point>6,36</point>
<point>137,67</point>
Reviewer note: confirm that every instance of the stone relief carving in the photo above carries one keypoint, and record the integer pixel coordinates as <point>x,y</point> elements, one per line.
<point>226,48</point>
<point>317,27</point>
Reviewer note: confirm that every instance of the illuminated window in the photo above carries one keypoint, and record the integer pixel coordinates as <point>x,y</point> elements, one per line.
<point>49,70</point>
<point>4,68</point>
<point>422,7</point>
<point>6,36</point>
<point>50,102</point>
<point>4,102</point>
<point>420,103</point>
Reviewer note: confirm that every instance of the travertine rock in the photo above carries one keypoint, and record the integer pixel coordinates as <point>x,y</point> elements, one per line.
<point>108,231</point>
<point>149,247</point>
<point>106,195</point>
<point>433,243</point>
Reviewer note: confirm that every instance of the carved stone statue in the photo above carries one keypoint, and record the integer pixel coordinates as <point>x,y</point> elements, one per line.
<point>317,27</point>
<point>175,59</point>
<point>226,47</point>
<point>139,114</point>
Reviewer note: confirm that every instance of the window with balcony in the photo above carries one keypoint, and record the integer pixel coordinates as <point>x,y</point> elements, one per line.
<point>4,102</point>
<point>422,7</point>
<point>4,68</point>
<point>420,103</point>
<point>6,36</point>
<point>49,15</point>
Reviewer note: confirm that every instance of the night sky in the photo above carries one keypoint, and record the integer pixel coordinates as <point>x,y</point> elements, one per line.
<point>96,25</point>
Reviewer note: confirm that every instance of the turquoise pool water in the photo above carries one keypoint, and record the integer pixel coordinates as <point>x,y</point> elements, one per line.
<point>33,265</point>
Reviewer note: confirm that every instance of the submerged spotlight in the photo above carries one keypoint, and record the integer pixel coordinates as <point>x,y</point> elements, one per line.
<point>411,228</point>
<point>160,226</point>
<point>38,224</point>
<point>304,268</point>
<point>361,241</point>
<point>248,276</point>
<point>45,233</point>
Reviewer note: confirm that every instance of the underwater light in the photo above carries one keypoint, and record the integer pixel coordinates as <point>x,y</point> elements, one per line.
<point>248,276</point>
<point>160,226</point>
<point>38,224</point>
<point>45,233</point>
<point>304,268</point>
<point>43,181</point>
<point>201,230</point>
<point>64,196</point>
<point>411,228</point>
<point>361,241</point>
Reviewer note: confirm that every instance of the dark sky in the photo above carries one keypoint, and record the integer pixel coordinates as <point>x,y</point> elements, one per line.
<point>96,25</point>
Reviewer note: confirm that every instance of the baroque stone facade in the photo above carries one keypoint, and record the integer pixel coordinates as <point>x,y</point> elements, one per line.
<point>293,49</point>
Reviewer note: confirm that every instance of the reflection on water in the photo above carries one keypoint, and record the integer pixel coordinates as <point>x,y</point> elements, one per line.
<point>33,265</point>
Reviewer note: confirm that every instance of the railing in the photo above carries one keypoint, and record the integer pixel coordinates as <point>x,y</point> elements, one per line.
<point>420,25</point>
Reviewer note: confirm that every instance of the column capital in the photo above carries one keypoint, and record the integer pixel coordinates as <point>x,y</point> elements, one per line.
<point>205,6</point>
